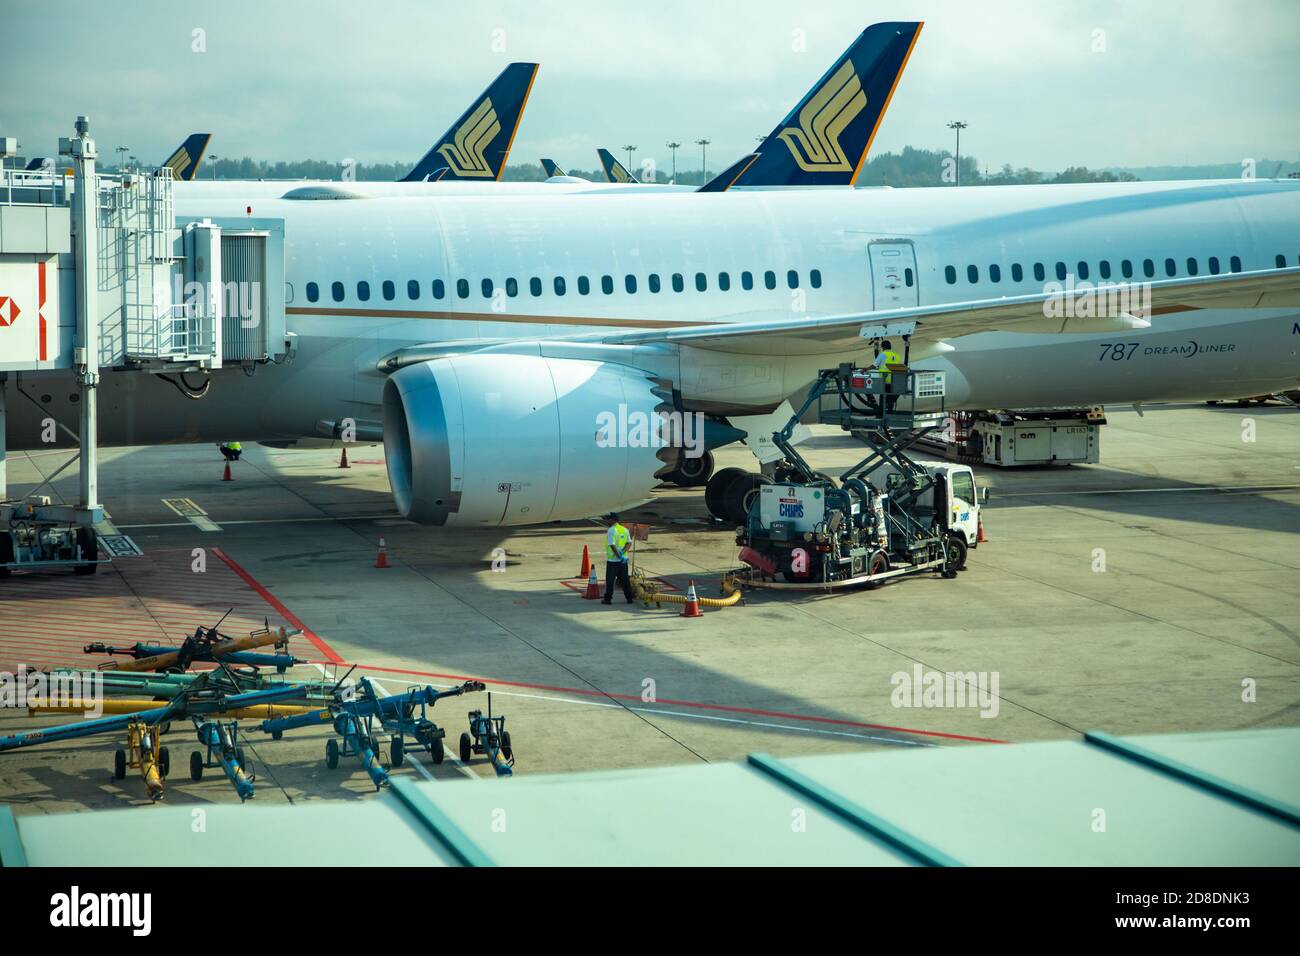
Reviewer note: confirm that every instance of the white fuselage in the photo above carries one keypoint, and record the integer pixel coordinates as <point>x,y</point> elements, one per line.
<point>496,261</point>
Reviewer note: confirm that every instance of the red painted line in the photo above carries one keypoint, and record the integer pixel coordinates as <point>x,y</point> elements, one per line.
<point>459,678</point>
<point>283,611</point>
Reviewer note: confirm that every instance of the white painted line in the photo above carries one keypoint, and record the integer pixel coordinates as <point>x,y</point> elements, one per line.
<point>191,512</point>
<point>1139,491</point>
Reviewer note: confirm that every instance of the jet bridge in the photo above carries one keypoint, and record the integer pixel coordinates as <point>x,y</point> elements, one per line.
<point>98,277</point>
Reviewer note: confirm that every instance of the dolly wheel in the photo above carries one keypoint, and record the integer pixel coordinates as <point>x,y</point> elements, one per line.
<point>332,753</point>
<point>396,751</point>
<point>436,750</point>
<point>277,734</point>
<point>119,764</point>
<point>506,749</point>
<point>164,761</point>
<point>196,765</point>
<point>466,748</point>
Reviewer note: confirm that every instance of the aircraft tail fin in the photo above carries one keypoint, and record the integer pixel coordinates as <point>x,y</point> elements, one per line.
<point>478,144</point>
<point>615,171</point>
<point>184,163</point>
<point>825,139</point>
<point>551,167</point>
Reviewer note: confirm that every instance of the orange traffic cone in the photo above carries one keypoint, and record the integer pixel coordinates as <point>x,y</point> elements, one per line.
<point>593,587</point>
<point>226,475</point>
<point>381,559</point>
<point>585,569</point>
<point>979,530</point>
<point>692,606</point>
<point>343,462</point>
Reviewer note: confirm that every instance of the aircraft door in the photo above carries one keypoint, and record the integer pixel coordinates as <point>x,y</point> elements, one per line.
<point>893,274</point>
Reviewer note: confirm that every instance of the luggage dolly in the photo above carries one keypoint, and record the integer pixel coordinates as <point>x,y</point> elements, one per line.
<point>487,735</point>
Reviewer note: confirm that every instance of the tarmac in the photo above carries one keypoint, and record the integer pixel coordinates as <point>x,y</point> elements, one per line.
<point>1152,593</point>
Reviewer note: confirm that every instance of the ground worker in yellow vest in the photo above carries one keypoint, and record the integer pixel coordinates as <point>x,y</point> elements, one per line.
<point>885,357</point>
<point>617,541</point>
<point>231,450</point>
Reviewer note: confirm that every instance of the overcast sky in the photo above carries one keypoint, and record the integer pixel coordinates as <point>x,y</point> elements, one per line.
<point>1174,82</point>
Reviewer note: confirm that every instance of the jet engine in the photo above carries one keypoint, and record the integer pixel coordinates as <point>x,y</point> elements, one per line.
<point>508,439</point>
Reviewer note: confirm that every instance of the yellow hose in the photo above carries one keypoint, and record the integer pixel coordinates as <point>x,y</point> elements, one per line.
<point>649,593</point>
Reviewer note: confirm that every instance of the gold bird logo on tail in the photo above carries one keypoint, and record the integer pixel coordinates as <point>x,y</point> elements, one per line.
<point>815,142</point>
<point>465,155</point>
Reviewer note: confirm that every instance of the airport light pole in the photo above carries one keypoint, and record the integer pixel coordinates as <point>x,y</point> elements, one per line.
<point>629,149</point>
<point>673,146</point>
<point>703,144</point>
<point>213,160</point>
<point>121,152</point>
<point>958,125</point>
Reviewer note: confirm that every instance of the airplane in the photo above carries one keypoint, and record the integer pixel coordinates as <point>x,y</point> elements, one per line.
<point>522,320</point>
<point>552,168</point>
<point>614,171</point>
<point>183,162</point>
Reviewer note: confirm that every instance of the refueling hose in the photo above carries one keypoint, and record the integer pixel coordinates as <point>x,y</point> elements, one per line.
<point>649,592</point>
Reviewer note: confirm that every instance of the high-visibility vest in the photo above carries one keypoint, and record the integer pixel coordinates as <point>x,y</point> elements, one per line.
<point>888,358</point>
<point>234,446</point>
<point>622,539</point>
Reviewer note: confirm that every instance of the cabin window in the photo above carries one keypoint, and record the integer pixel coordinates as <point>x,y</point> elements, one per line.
<point>559,285</point>
<point>950,274</point>
<point>1061,271</point>
<point>747,280</point>
<point>1171,268</point>
<point>792,279</point>
<point>1192,267</point>
<point>1083,270</point>
<point>336,291</point>
<point>1148,268</point>
<point>535,285</point>
<point>629,283</point>
<point>1017,273</point>
<point>1280,262</point>
<point>363,290</point>
<point>701,282</point>
<point>1214,265</point>
<point>439,289</point>
<point>769,279</point>
<point>584,285</point>
<point>1126,268</point>
<point>313,292</point>
<point>653,281</point>
<point>486,287</point>
<point>1040,273</point>
<point>412,289</point>
<point>1235,263</point>
<point>724,281</point>
<point>815,278</point>
<point>678,283</point>
<point>512,287</point>
<point>462,288</point>
<point>389,290</point>
<point>995,273</point>
<point>972,274</point>
<point>607,285</point>
<point>1104,268</point>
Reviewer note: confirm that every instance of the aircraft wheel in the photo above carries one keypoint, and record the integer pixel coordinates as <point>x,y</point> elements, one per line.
<point>693,472</point>
<point>466,748</point>
<point>715,491</point>
<point>196,765</point>
<point>741,494</point>
<point>119,764</point>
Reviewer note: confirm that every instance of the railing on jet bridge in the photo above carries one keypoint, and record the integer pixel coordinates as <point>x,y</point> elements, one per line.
<point>35,187</point>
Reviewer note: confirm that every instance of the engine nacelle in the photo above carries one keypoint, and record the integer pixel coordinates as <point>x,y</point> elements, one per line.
<point>507,439</point>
